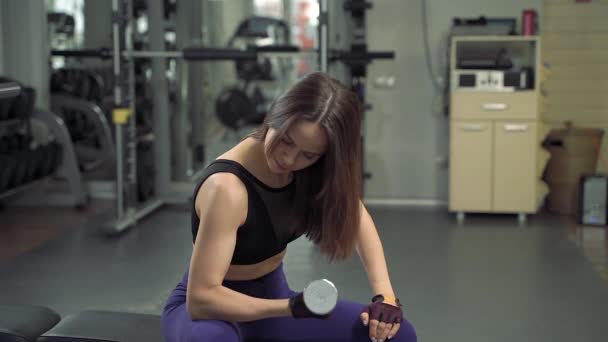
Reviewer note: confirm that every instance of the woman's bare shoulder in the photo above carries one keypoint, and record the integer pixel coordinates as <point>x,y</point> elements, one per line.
<point>222,190</point>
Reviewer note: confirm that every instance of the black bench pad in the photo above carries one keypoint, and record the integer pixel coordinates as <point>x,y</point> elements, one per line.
<point>106,326</point>
<point>24,323</point>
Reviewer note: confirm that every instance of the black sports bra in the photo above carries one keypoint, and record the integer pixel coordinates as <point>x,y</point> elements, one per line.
<point>269,225</point>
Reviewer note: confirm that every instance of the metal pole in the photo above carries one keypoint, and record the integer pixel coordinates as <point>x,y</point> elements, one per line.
<point>154,54</point>
<point>181,151</point>
<point>131,136</point>
<point>162,159</point>
<point>116,39</point>
<point>197,71</point>
<point>323,36</point>
<point>190,54</point>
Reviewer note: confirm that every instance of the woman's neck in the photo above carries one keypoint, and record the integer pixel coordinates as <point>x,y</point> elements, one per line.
<point>255,157</point>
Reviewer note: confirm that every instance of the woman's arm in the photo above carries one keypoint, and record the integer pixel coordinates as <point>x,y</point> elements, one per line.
<point>371,252</point>
<point>221,205</point>
<point>369,248</point>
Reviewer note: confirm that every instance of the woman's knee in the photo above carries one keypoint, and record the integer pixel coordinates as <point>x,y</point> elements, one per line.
<point>179,327</point>
<point>406,333</point>
<point>214,330</point>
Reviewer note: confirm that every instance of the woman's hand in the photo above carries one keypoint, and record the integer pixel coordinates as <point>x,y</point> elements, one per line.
<point>384,318</point>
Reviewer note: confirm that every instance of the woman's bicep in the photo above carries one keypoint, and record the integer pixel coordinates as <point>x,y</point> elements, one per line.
<point>222,207</point>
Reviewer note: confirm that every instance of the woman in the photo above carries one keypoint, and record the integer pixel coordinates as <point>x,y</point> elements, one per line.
<point>298,174</point>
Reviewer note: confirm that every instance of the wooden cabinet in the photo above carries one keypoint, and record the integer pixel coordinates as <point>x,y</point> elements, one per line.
<point>495,142</point>
<point>493,166</point>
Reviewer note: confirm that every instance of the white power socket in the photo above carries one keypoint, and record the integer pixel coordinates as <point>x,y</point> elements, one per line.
<point>385,82</point>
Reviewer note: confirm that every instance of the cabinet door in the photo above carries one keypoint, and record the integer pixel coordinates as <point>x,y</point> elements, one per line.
<point>514,166</point>
<point>470,166</point>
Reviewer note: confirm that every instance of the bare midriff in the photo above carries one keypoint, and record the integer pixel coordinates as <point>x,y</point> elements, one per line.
<point>254,271</point>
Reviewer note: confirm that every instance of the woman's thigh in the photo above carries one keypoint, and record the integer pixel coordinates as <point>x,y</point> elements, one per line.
<point>344,324</point>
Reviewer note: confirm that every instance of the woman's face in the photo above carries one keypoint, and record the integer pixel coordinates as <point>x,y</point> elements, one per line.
<point>302,145</point>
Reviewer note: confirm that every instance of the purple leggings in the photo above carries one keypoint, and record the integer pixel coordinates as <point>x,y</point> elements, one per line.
<point>343,325</point>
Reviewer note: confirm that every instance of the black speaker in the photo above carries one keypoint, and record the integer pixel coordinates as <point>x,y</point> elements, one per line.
<point>593,200</point>
<point>521,79</point>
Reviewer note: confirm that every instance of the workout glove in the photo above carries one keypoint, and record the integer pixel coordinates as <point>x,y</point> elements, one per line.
<point>383,312</point>
<point>299,310</point>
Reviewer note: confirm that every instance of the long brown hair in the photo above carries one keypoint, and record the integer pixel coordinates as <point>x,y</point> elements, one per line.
<point>328,193</point>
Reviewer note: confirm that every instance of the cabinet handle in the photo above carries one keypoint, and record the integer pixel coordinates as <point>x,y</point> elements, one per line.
<point>516,127</point>
<point>494,106</point>
<point>472,127</point>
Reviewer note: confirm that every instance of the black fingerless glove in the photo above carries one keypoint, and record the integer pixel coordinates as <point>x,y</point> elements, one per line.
<point>384,312</point>
<point>299,310</point>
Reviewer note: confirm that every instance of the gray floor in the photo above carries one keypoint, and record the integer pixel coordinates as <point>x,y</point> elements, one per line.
<point>487,280</point>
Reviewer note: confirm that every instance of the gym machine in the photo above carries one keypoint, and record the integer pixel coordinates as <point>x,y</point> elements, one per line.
<point>79,95</point>
<point>89,129</point>
<point>122,53</point>
<point>245,103</point>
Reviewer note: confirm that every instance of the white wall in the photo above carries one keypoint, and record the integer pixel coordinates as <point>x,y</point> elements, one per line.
<point>97,24</point>
<point>406,138</point>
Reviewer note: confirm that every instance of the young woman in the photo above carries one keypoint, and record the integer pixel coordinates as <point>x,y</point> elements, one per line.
<point>298,174</point>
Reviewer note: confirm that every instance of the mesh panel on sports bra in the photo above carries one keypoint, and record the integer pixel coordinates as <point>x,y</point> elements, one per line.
<point>279,205</point>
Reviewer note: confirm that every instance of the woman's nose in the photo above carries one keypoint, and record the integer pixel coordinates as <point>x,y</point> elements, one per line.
<point>289,158</point>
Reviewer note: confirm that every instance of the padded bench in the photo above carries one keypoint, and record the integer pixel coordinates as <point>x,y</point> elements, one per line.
<point>106,326</point>
<point>22,323</point>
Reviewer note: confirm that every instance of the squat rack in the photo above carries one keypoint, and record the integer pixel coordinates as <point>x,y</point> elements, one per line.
<point>128,210</point>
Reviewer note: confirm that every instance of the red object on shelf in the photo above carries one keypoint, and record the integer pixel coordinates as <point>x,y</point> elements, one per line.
<point>528,20</point>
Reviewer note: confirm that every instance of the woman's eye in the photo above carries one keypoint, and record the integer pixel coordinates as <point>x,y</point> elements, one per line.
<point>286,142</point>
<point>309,156</point>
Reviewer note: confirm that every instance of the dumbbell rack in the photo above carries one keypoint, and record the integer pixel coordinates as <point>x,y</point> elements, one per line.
<point>9,90</point>
<point>7,126</point>
<point>35,163</point>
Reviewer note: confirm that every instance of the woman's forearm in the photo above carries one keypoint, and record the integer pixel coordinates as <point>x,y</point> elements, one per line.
<point>371,252</point>
<point>222,303</point>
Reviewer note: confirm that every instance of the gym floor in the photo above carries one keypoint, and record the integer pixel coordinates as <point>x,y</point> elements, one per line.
<point>488,279</point>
